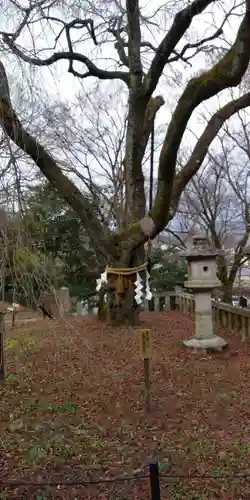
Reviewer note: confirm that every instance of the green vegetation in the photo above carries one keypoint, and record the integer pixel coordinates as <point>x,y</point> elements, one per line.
<point>172,272</point>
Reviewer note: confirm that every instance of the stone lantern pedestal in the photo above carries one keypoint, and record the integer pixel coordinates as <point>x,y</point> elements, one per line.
<point>202,279</point>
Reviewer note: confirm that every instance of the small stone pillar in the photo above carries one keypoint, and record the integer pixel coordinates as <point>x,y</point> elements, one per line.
<point>64,301</point>
<point>79,308</point>
<point>167,303</point>
<point>202,279</point>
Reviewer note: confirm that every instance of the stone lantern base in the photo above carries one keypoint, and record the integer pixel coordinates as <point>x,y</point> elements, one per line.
<point>214,343</point>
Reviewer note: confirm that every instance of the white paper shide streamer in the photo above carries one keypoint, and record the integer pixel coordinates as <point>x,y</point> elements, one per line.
<point>138,289</point>
<point>101,281</point>
<point>138,286</point>
<point>148,295</point>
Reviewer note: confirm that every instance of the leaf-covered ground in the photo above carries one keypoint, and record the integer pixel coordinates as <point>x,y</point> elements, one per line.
<point>72,409</point>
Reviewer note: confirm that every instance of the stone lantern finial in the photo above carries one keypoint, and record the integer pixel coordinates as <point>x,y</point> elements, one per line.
<point>200,239</point>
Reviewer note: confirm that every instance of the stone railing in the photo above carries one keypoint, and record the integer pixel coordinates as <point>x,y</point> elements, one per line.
<point>224,315</point>
<point>184,302</point>
<point>170,300</point>
<point>159,302</point>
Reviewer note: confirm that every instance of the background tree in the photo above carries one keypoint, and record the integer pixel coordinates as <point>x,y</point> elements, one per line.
<point>56,231</point>
<point>168,270</point>
<point>217,200</point>
<point>25,271</point>
<point>80,39</point>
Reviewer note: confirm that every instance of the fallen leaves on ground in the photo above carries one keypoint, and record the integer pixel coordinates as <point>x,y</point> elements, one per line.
<point>72,409</point>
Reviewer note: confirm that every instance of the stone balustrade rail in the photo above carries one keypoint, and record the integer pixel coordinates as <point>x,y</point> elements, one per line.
<point>224,315</point>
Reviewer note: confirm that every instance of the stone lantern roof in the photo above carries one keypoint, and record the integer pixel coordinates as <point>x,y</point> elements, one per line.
<point>201,249</point>
<point>202,267</point>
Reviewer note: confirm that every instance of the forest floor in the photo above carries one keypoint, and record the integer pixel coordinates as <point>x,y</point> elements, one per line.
<point>72,410</point>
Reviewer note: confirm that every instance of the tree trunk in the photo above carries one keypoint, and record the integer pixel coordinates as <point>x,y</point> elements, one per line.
<point>121,307</point>
<point>227,292</point>
<point>102,306</point>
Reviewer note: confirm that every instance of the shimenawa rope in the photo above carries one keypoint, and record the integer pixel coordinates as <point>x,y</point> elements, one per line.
<point>126,271</point>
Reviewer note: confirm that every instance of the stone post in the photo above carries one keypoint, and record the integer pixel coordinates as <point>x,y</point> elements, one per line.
<point>203,316</point>
<point>156,304</point>
<point>64,301</point>
<point>167,302</point>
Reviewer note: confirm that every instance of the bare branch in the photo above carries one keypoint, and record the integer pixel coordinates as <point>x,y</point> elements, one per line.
<point>51,170</point>
<point>153,107</point>
<point>226,73</point>
<point>200,44</point>
<point>180,25</point>
<point>134,36</point>
<point>181,55</point>
<point>178,237</point>
<point>93,70</point>
<point>199,153</point>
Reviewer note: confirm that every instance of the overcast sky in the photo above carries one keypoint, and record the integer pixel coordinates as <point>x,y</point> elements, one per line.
<point>55,83</point>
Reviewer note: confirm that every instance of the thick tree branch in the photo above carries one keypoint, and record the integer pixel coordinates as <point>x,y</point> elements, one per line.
<point>135,182</point>
<point>48,166</point>
<point>199,153</point>
<point>153,107</point>
<point>226,73</point>
<point>93,70</point>
<point>134,178</point>
<point>78,23</point>
<point>134,37</point>
<point>180,25</point>
<point>200,44</point>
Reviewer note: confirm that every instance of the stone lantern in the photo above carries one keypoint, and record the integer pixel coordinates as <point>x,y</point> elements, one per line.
<point>202,279</point>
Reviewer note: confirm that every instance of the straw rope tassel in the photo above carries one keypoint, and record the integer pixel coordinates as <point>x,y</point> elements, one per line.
<point>119,285</point>
<point>123,282</point>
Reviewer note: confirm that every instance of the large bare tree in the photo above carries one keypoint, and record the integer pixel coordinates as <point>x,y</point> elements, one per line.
<point>139,67</point>
<point>217,200</point>
<point>212,205</point>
